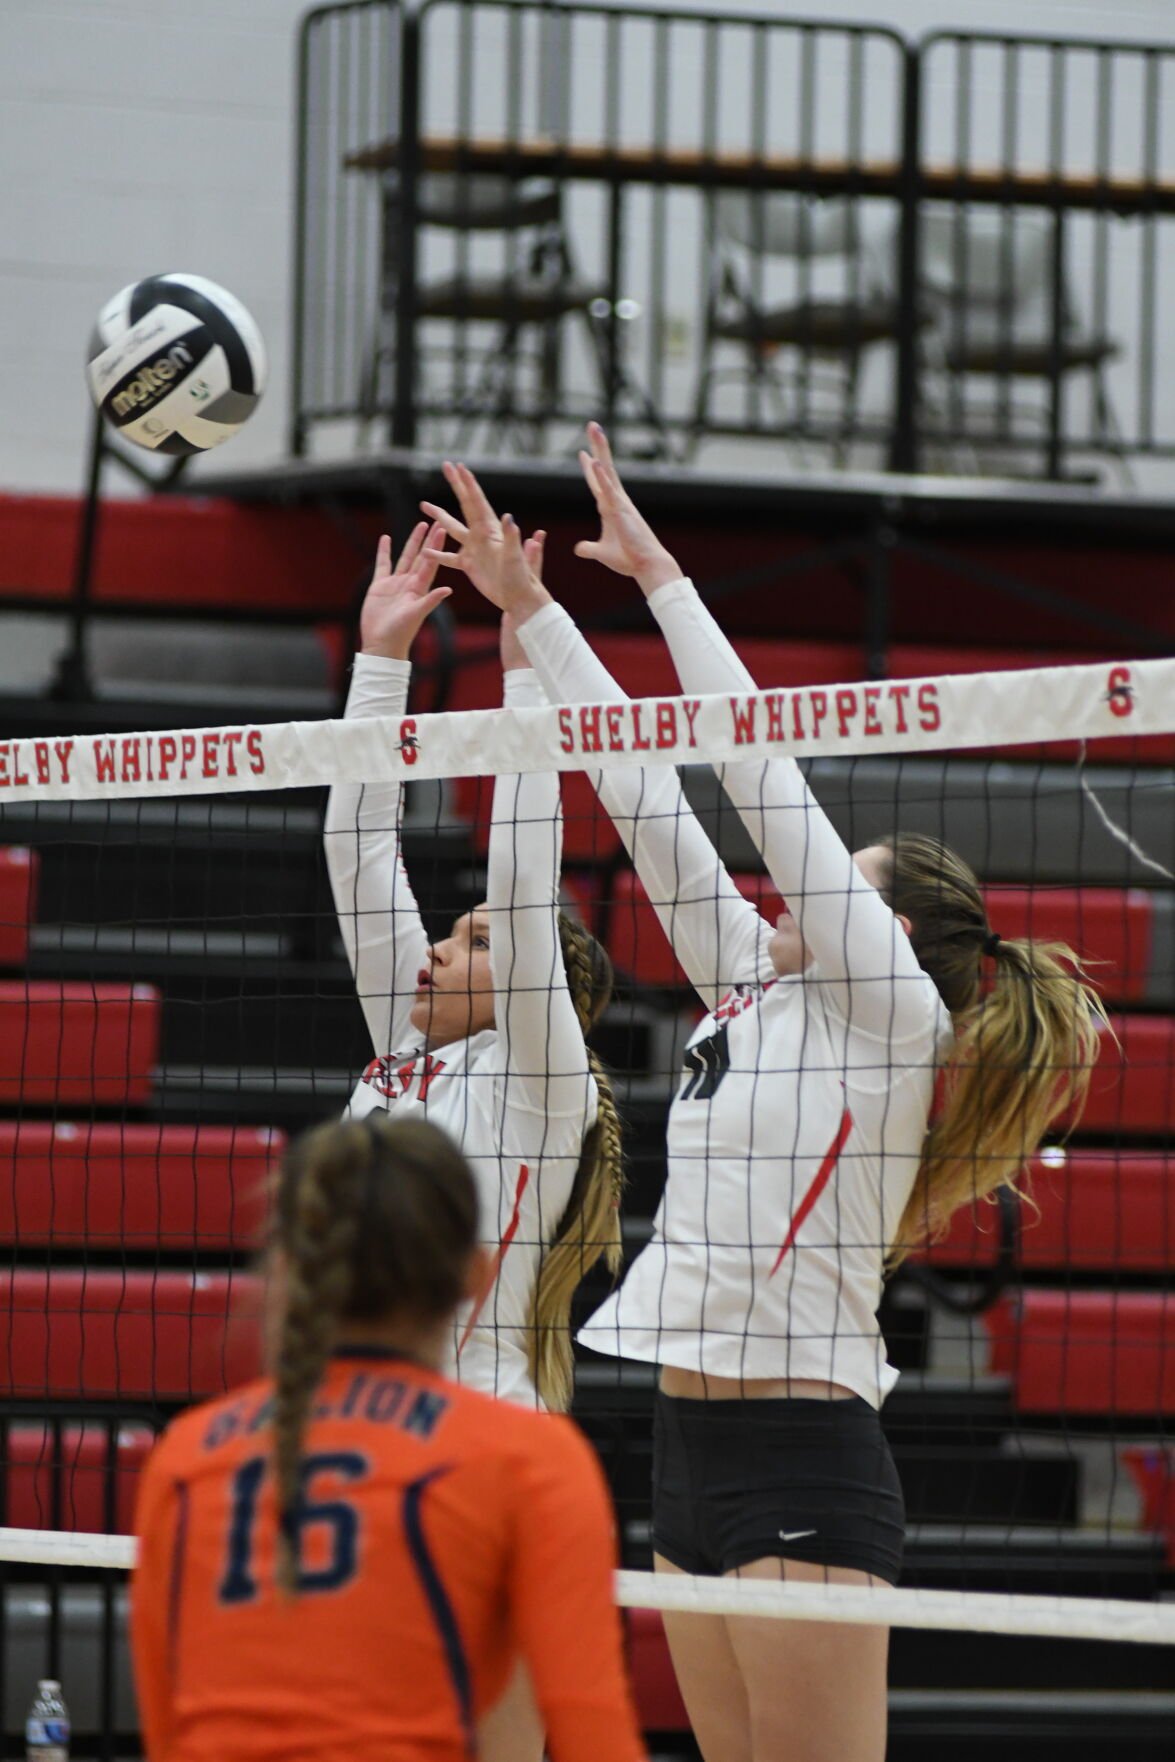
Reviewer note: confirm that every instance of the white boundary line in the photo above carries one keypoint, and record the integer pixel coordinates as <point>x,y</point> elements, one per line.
<point>1077,1618</point>
<point>956,712</point>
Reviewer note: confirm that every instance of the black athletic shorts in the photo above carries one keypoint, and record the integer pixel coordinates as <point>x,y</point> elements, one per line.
<point>736,1481</point>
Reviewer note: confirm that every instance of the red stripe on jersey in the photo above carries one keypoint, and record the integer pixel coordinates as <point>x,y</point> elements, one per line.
<point>496,1264</point>
<point>819,1182</point>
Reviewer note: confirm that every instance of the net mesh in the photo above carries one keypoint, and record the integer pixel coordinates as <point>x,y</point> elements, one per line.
<point>177,1001</point>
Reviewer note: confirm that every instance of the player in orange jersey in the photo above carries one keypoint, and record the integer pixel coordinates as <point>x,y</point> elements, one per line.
<point>346,1562</point>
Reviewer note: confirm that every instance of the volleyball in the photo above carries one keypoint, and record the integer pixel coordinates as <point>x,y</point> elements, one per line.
<point>176,363</point>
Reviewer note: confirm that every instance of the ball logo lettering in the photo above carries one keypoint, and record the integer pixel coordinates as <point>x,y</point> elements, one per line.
<point>153,380</point>
<point>176,364</point>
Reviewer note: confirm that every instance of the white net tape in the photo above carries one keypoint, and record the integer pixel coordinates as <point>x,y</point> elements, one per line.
<point>1074,1618</point>
<point>901,716</point>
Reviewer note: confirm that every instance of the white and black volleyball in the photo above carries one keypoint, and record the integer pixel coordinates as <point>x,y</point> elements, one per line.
<point>176,363</point>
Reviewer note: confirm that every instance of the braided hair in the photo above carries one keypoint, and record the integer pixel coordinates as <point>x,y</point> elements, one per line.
<point>590,1226</point>
<point>372,1218</point>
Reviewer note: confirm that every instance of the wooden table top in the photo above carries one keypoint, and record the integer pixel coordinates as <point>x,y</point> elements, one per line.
<point>688,167</point>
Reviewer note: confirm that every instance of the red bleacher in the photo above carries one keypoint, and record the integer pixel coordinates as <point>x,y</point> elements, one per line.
<point>19,870</point>
<point>133,1186</point>
<point>1097,1212</point>
<point>1133,1088</point>
<point>70,1333</point>
<point>1110,927</point>
<point>1086,1352</point>
<point>78,1473</point>
<point>77,1044</point>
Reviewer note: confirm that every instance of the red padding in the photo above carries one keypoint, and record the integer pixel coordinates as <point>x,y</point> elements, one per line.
<point>19,870</point>
<point>1109,927</point>
<point>136,1186</point>
<point>1153,1468</point>
<point>637,943</point>
<point>658,1699</point>
<point>77,1044</point>
<point>1133,1087</point>
<point>70,1333</point>
<point>187,552</point>
<point>1098,1212</point>
<point>1086,1352</point>
<point>79,1473</point>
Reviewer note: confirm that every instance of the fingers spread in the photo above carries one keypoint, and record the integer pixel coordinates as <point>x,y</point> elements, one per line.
<point>450,559</point>
<point>475,504</point>
<point>598,440</point>
<point>447,522</point>
<point>411,549</point>
<point>597,482</point>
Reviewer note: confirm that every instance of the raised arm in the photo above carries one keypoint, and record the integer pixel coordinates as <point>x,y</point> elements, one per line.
<point>718,937</point>
<point>377,911</point>
<point>546,1057</point>
<point>862,953</point>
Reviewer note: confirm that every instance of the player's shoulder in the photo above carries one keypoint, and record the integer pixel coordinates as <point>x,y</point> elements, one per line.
<point>530,1442</point>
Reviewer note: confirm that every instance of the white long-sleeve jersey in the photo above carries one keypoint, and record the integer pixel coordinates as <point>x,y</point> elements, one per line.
<point>796,1133</point>
<point>518,1098</point>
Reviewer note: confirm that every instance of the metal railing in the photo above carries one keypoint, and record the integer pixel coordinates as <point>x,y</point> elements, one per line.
<point>729,224</point>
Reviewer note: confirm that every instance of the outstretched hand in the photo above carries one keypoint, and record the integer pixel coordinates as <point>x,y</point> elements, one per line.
<point>400,599</point>
<point>627,543</point>
<point>489,551</point>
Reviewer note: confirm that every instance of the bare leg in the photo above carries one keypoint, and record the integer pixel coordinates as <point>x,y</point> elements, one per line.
<point>711,1686</point>
<point>512,1731</point>
<point>816,1691</point>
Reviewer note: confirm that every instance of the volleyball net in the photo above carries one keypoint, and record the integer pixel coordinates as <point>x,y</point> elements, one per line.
<point>176,1001</point>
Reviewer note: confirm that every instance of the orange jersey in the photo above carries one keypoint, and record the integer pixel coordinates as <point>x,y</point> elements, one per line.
<point>440,1536</point>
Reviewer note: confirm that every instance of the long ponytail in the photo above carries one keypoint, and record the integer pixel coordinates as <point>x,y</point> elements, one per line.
<point>1024,1049</point>
<point>590,1226</point>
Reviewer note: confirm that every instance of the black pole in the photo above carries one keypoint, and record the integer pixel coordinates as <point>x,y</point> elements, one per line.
<point>904,443</point>
<point>297,433</point>
<point>71,681</point>
<point>408,165</point>
<point>1054,466</point>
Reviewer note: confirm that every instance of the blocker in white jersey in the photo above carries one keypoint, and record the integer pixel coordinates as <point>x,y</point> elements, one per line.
<point>797,1130</point>
<point>506,1071</point>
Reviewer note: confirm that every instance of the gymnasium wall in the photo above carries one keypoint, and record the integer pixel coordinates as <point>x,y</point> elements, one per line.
<point>143,135</point>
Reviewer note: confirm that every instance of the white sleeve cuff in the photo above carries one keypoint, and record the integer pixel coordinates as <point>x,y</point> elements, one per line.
<point>379,686</point>
<point>672,591</point>
<point>522,689</point>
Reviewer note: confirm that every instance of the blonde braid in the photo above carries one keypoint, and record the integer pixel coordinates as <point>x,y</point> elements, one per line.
<point>590,1226</point>
<point>319,1234</point>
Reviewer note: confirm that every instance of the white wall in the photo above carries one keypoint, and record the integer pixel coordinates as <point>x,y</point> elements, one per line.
<point>144,135</point>
<point>135,136</point>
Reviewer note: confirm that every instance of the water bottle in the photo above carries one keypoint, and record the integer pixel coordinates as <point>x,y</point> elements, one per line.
<point>46,1728</point>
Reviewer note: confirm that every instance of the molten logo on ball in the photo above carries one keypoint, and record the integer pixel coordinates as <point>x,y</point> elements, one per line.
<point>152,381</point>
